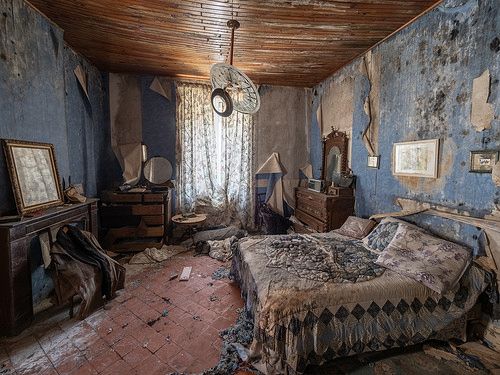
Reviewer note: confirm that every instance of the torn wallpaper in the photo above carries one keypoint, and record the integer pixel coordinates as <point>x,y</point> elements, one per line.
<point>481,113</point>
<point>126,124</point>
<point>162,87</point>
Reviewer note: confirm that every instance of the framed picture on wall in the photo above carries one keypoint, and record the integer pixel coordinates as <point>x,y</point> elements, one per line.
<point>482,161</point>
<point>373,161</point>
<point>416,158</point>
<point>33,174</point>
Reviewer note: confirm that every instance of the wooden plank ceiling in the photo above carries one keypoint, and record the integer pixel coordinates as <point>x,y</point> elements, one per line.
<point>297,42</point>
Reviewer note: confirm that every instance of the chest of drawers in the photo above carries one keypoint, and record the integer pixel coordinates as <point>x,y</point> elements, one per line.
<point>323,212</point>
<point>131,222</point>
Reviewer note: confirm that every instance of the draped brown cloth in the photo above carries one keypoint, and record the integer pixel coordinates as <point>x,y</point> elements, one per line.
<point>82,268</point>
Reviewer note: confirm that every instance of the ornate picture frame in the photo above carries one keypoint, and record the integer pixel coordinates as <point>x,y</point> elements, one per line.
<point>416,158</point>
<point>33,174</point>
<point>335,144</point>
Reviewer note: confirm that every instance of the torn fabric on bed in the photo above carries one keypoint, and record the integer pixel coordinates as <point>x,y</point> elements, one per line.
<point>322,259</point>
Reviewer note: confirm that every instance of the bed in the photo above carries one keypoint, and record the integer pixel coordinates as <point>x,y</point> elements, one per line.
<point>322,296</point>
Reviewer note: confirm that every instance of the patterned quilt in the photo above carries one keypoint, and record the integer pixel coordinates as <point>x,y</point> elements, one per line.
<point>318,297</point>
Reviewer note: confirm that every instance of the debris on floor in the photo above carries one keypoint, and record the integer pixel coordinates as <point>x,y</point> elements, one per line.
<point>235,340</point>
<point>151,318</point>
<point>152,322</point>
<point>221,273</point>
<point>154,255</point>
<point>204,240</point>
<point>182,335</point>
<point>472,354</point>
<point>488,357</point>
<point>219,234</point>
<point>186,272</point>
<point>222,250</point>
<point>4,370</point>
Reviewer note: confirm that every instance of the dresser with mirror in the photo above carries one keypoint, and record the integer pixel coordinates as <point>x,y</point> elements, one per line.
<point>327,209</point>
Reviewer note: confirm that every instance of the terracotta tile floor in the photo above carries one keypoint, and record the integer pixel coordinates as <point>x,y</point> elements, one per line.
<point>155,326</point>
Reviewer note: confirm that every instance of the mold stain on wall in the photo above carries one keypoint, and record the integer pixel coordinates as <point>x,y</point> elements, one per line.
<point>425,92</point>
<point>41,101</point>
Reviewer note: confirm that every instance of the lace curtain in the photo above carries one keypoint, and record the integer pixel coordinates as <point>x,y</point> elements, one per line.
<point>215,158</point>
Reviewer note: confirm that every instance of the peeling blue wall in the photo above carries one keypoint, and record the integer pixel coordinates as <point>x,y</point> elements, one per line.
<point>158,121</point>
<point>108,170</point>
<point>88,132</point>
<point>426,75</point>
<point>40,99</point>
<point>158,117</point>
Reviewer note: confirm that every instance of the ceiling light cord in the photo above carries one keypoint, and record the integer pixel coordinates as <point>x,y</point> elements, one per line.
<point>231,48</point>
<point>233,25</point>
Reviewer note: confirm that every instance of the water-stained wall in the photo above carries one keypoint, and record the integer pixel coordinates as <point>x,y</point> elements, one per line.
<point>419,83</point>
<point>40,99</point>
<point>141,114</point>
<point>281,126</point>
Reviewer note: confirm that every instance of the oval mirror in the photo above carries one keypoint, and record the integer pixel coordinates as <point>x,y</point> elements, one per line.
<point>333,163</point>
<point>158,170</point>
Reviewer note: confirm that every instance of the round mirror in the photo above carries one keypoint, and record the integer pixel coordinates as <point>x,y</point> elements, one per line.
<point>158,170</point>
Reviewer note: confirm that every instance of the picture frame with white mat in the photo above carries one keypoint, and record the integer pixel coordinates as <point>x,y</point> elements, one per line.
<point>416,158</point>
<point>34,175</point>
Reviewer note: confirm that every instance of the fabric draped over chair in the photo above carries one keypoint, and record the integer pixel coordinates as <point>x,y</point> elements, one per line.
<point>215,158</point>
<point>269,179</point>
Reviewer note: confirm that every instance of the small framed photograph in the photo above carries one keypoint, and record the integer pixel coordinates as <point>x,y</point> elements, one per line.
<point>373,161</point>
<point>483,161</point>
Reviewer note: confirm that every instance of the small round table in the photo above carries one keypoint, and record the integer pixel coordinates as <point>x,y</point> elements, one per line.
<point>189,222</point>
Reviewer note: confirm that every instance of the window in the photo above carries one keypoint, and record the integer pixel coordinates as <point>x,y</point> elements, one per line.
<point>215,157</point>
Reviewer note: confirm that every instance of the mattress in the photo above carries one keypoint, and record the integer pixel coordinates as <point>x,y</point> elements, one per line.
<point>318,297</point>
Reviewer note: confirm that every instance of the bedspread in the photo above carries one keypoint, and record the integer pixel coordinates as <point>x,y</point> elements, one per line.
<point>318,297</point>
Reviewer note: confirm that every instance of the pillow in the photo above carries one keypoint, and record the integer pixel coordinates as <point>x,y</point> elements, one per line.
<point>356,227</point>
<point>432,261</point>
<point>383,234</point>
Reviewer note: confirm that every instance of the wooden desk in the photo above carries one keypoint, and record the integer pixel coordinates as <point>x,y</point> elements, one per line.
<point>16,238</point>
